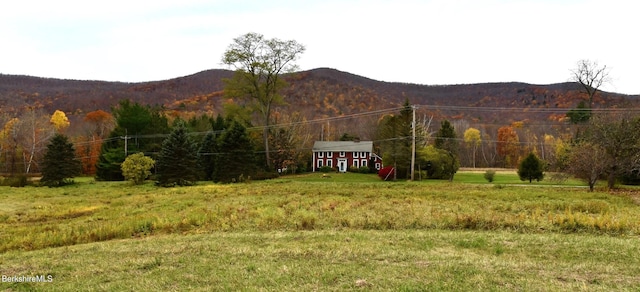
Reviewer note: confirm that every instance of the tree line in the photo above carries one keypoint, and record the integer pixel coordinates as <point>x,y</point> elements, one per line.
<point>227,151</point>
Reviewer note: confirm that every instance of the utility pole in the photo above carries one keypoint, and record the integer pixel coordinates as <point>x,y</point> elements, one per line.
<point>126,138</point>
<point>413,142</point>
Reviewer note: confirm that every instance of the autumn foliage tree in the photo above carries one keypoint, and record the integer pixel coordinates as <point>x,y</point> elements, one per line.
<point>59,121</point>
<point>97,125</point>
<point>473,140</point>
<point>508,145</point>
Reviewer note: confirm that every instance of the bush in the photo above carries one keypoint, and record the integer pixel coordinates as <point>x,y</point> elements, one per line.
<point>489,175</point>
<point>264,175</point>
<point>387,173</point>
<point>325,169</point>
<point>16,181</point>
<point>137,167</point>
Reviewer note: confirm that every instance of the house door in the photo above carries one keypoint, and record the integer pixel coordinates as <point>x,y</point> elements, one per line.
<point>342,165</point>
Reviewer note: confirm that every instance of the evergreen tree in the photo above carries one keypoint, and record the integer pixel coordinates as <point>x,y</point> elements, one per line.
<point>109,163</point>
<point>446,139</point>
<point>59,164</point>
<point>207,155</point>
<point>177,163</point>
<point>531,168</point>
<point>581,114</point>
<point>237,157</point>
<point>395,134</point>
<point>132,121</point>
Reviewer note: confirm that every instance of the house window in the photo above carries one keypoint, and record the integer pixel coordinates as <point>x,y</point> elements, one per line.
<point>320,154</point>
<point>330,163</point>
<point>355,154</point>
<point>355,162</point>
<point>342,154</point>
<point>363,163</point>
<point>329,154</point>
<point>320,163</point>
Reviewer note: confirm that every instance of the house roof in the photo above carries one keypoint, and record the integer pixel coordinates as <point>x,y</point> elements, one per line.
<point>343,146</point>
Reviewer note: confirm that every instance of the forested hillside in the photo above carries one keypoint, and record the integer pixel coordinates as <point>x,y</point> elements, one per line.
<point>317,93</point>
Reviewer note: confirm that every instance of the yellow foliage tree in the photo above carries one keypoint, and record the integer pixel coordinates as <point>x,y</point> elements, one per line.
<point>473,140</point>
<point>59,120</point>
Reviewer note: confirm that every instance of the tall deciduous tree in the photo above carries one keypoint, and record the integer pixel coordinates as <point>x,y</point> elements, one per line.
<point>59,121</point>
<point>178,160</point>
<point>35,130</point>
<point>587,161</point>
<point>9,145</point>
<point>591,76</point>
<point>259,63</point>
<point>619,137</point>
<point>59,164</point>
<point>473,140</point>
<point>508,145</point>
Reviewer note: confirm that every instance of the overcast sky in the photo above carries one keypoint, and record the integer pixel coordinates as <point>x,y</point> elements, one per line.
<point>424,42</point>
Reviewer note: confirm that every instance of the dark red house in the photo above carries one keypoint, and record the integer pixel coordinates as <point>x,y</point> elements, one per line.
<point>341,155</point>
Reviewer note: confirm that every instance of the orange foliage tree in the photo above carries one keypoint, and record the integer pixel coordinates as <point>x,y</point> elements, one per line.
<point>508,146</point>
<point>88,147</point>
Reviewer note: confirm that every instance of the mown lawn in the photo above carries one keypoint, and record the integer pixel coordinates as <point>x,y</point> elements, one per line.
<point>312,233</point>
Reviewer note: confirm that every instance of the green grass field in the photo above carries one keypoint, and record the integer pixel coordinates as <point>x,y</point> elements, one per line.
<point>349,231</point>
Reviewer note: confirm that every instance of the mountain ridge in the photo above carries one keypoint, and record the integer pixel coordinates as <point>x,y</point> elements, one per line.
<point>318,92</point>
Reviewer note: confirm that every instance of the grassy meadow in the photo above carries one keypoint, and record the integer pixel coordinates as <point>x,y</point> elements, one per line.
<point>306,232</point>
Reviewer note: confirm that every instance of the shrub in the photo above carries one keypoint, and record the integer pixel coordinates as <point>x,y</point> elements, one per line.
<point>16,181</point>
<point>387,173</point>
<point>137,168</point>
<point>325,169</point>
<point>489,175</point>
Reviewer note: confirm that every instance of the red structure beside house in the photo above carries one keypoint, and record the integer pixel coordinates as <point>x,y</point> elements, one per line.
<point>341,155</point>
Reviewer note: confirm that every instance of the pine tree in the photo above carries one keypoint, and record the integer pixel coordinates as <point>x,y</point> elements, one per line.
<point>237,157</point>
<point>206,155</point>
<point>531,168</point>
<point>395,133</point>
<point>177,163</point>
<point>446,139</point>
<point>60,163</point>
